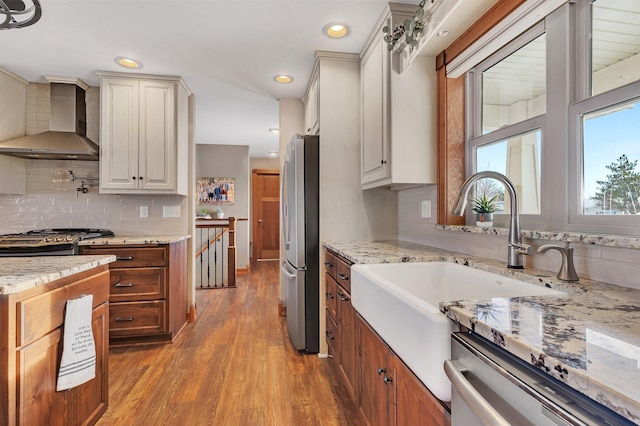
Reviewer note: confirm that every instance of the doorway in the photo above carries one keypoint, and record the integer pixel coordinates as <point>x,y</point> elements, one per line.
<point>266,214</point>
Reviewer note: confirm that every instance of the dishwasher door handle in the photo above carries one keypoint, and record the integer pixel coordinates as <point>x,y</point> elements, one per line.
<point>481,408</point>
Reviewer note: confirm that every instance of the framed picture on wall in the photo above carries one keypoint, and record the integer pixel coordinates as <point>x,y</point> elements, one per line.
<point>215,191</point>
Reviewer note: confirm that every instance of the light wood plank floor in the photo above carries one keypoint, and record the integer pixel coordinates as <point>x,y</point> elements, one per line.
<point>233,366</point>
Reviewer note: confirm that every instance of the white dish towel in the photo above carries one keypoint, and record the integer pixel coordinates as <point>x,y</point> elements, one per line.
<point>78,363</point>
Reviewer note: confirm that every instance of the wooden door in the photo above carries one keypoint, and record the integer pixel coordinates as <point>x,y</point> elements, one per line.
<point>266,214</point>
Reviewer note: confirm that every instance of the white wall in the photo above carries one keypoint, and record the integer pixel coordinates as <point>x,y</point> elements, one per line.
<point>229,161</point>
<point>608,264</point>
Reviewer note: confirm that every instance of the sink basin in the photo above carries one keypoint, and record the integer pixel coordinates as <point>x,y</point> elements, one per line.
<point>400,301</point>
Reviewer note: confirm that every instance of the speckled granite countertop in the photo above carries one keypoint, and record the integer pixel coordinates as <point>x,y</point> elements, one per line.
<point>589,340</point>
<point>21,273</point>
<point>134,239</point>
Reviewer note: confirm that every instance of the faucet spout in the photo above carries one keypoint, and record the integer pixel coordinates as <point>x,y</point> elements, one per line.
<point>517,249</point>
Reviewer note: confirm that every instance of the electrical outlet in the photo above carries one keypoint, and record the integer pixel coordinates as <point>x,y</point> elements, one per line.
<point>144,211</point>
<point>425,209</point>
<point>171,211</point>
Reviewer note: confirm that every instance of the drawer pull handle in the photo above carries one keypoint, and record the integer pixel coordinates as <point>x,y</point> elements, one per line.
<point>329,295</point>
<point>328,264</point>
<point>329,335</point>
<point>343,277</point>
<point>124,258</point>
<point>118,284</point>
<point>118,319</point>
<point>343,296</point>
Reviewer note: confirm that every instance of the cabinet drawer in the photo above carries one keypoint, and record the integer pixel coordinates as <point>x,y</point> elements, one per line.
<point>331,294</point>
<point>343,275</point>
<point>128,285</point>
<point>330,263</point>
<point>38,315</point>
<point>131,257</point>
<point>137,318</point>
<point>332,334</point>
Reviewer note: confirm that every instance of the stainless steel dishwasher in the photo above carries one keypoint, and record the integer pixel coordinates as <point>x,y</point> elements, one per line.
<point>493,387</point>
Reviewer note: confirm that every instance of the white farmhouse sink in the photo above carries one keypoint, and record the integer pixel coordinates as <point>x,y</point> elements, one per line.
<point>400,301</point>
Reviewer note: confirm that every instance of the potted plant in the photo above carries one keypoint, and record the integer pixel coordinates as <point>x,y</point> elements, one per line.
<point>219,213</point>
<point>484,208</point>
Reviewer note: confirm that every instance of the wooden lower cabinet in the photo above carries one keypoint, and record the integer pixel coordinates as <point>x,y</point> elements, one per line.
<point>148,292</point>
<point>340,324</point>
<point>389,392</point>
<point>32,334</point>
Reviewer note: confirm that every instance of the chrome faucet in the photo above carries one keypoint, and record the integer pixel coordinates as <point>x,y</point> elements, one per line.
<point>567,270</point>
<point>517,249</point>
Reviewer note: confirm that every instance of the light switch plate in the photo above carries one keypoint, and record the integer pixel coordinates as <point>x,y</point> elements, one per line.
<point>171,211</point>
<point>144,211</point>
<point>425,209</point>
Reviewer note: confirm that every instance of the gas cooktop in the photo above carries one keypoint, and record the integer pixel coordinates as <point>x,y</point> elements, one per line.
<point>48,242</point>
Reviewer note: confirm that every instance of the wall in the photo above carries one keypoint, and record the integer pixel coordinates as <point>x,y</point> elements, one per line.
<point>52,203</point>
<point>229,161</point>
<point>12,125</point>
<point>608,264</point>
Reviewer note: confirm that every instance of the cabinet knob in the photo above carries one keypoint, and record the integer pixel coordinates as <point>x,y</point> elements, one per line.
<point>381,370</point>
<point>383,162</point>
<point>329,295</point>
<point>133,177</point>
<point>140,178</point>
<point>328,264</point>
<point>387,380</point>
<point>329,335</point>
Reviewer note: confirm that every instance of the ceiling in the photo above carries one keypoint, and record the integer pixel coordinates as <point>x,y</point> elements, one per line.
<point>227,51</point>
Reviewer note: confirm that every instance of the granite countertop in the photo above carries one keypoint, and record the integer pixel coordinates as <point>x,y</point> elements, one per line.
<point>589,339</point>
<point>22,273</point>
<point>134,239</point>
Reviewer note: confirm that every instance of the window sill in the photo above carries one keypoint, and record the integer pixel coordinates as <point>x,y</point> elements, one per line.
<point>608,240</point>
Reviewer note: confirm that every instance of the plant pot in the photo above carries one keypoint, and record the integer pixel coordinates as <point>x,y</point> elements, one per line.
<point>220,215</point>
<point>484,220</point>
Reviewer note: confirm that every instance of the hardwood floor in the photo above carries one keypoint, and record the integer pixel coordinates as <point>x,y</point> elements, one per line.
<point>233,366</point>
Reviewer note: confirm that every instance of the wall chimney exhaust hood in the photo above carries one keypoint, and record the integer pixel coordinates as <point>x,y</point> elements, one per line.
<point>66,139</point>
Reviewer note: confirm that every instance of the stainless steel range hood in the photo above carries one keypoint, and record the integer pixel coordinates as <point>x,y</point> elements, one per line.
<point>66,139</point>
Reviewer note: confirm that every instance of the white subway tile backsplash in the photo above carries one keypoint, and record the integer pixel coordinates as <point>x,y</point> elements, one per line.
<point>613,265</point>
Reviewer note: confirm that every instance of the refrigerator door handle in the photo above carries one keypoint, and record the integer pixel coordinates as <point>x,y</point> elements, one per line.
<point>285,270</point>
<point>283,205</point>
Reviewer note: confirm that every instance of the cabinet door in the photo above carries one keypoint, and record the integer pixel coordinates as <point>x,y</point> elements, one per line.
<point>375,135</point>
<point>90,399</point>
<point>38,401</point>
<point>372,388</point>
<point>410,402</point>
<point>346,339</point>
<point>119,134</point>
<point>158,147</point>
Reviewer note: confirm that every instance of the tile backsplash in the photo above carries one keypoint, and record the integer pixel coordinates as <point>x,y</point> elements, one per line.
<point>613,265</point>
<point>52,201</point>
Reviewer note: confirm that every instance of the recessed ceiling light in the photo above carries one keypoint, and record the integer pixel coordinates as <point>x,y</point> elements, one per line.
<point>274,130</point>
<point>336,30</point>
<point>443,32</point>
<point>128,62</point>
<point>273,153</point>
<point>283,79</point>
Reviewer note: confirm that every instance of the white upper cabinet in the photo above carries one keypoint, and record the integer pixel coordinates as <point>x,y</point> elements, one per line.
<point>144,134</point>
<point>398,146</point>
<point>311,106</point>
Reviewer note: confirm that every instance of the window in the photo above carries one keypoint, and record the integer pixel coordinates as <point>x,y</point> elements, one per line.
<point>509,102</point>
<point>557,110</point>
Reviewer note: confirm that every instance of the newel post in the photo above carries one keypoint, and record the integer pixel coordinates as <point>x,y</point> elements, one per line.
<point>231,273</point>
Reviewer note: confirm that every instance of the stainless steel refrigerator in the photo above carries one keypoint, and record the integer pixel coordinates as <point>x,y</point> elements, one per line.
<point>300,232</point>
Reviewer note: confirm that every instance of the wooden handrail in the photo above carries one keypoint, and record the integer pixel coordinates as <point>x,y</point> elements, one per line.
<point>211,241</point>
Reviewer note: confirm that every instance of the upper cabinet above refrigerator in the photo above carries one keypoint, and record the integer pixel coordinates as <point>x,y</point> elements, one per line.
<point>398,122</point>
